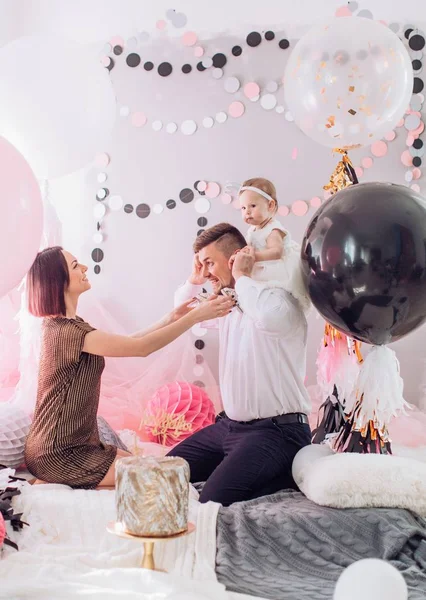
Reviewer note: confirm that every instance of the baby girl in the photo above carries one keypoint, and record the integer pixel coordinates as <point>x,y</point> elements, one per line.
<point>277,256</point>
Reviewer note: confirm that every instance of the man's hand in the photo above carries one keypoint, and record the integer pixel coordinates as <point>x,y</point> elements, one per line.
<point>197,277</point>
<point>241,263</point>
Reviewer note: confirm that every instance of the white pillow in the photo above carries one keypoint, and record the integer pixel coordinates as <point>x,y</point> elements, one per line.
<point>360,480</point>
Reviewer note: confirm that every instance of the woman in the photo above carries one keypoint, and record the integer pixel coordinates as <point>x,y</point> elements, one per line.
<point>63,444</point>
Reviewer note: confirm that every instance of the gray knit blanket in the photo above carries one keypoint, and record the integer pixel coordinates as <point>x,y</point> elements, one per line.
<point>285,547</point>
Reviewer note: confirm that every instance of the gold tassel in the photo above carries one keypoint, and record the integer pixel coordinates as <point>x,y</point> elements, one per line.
<point>341,177</point>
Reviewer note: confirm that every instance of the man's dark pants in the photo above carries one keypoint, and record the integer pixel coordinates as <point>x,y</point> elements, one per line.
<point>244,460</point>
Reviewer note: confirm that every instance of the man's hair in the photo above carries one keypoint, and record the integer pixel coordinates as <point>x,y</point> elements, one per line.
<point>226,237</point>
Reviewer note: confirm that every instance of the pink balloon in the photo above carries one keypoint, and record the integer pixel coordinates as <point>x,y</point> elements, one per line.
<point>21,217</point>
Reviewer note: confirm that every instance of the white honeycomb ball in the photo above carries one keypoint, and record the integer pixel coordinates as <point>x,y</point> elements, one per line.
<point>14,427</point>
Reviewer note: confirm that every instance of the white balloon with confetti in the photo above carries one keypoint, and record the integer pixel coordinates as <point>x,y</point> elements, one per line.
<point>348,82</point>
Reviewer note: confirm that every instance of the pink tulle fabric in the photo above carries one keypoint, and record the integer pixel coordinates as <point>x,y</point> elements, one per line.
<point>176,411</point>
<point>2,530</point>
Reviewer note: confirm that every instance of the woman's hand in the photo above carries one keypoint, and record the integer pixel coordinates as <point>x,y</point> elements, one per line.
<point>216,306</point>
<point>180,311</point>
<point>197,277</point>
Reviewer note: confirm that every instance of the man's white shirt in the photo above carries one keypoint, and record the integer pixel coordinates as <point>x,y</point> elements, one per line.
<point>262,352</point>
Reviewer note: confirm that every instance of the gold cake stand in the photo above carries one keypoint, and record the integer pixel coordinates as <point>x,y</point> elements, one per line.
<point>148,542</point>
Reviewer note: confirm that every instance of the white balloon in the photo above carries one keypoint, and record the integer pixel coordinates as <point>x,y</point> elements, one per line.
<point>371,579</point>
<point>57,103</point>
<point>348,82</point>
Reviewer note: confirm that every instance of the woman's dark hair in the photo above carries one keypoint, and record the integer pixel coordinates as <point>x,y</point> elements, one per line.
<point>46,283</point>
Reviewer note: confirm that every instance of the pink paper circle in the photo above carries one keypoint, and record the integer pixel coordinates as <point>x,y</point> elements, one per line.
<point>415,187</point>
<point>236,109</point>
<point>400,123</point>
<point>161,25</point>
<point>359,171</point>
<point>407,159</point>
<point>251,90</point>
<point>138,119</point>
<point>202,186</point>
<point>367,162</point>
<point>105,60</point>
<point>189,38</point>
<point>198,51</point>
<point>116,41</point>
<point>379,149</point>
<point>294,153</point>
<point>343,11</point>
<point>419,130</point>
<point>390,136</point>
<point>212,190</point>
<point>410,139</point>
<point>417,173</point>
<point>226,198</point>
<point>283,210</point>
<point>326,194</point>
<point>315,202</point>
<point>102,160</point>
<point>299,208</point>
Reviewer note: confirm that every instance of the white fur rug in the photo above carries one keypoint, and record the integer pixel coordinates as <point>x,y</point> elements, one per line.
<point>67,553</point>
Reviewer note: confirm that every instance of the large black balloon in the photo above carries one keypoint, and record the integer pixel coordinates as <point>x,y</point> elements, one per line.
<point>364,261</point>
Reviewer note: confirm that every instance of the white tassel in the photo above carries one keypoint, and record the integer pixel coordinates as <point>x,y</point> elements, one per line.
<point>381,388</point>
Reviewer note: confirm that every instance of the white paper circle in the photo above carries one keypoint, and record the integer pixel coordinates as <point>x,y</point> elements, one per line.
<point>99,211</point>
<point>98,238</point>
<point>207,62</point>
<point>115,202</point>
<point>416,102</point>
<point>289,116</point>
<point>232,85</point>
<point>217,73</point>
<point>188,127</point>
<point>202,205</point>
<point>157,125</point>
<point>198,370</point>
<point>279,109</point>
<point>102,177</point>
<point>157,209</point>
<point>124,111</point>
<point>411,122</point>
<point>268,101</point>
<point>132,42</point>
<point>408,176</point>
<point>101,194</point>
<point>272,86</point>
<point>198,331</point>
<point>171,127</point>
<point>208,122</point>
<point>221,117</point>
<point>255,98</point>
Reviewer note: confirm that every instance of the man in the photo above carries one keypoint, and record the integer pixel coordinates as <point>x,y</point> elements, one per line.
<point>250,449</point>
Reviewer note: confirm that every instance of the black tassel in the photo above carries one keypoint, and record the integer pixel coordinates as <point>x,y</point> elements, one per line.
<point>333,418</point>
<point>370,442</point>
<point>7,513</point>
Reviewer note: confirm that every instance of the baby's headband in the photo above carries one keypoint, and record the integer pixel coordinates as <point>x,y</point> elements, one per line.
<point>251,188</point>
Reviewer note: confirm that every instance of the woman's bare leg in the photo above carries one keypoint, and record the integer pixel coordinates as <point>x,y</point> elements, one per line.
<point>109,480</point>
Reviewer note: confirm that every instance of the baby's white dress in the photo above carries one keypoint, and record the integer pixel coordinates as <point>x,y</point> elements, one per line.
<point>284,272</point>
